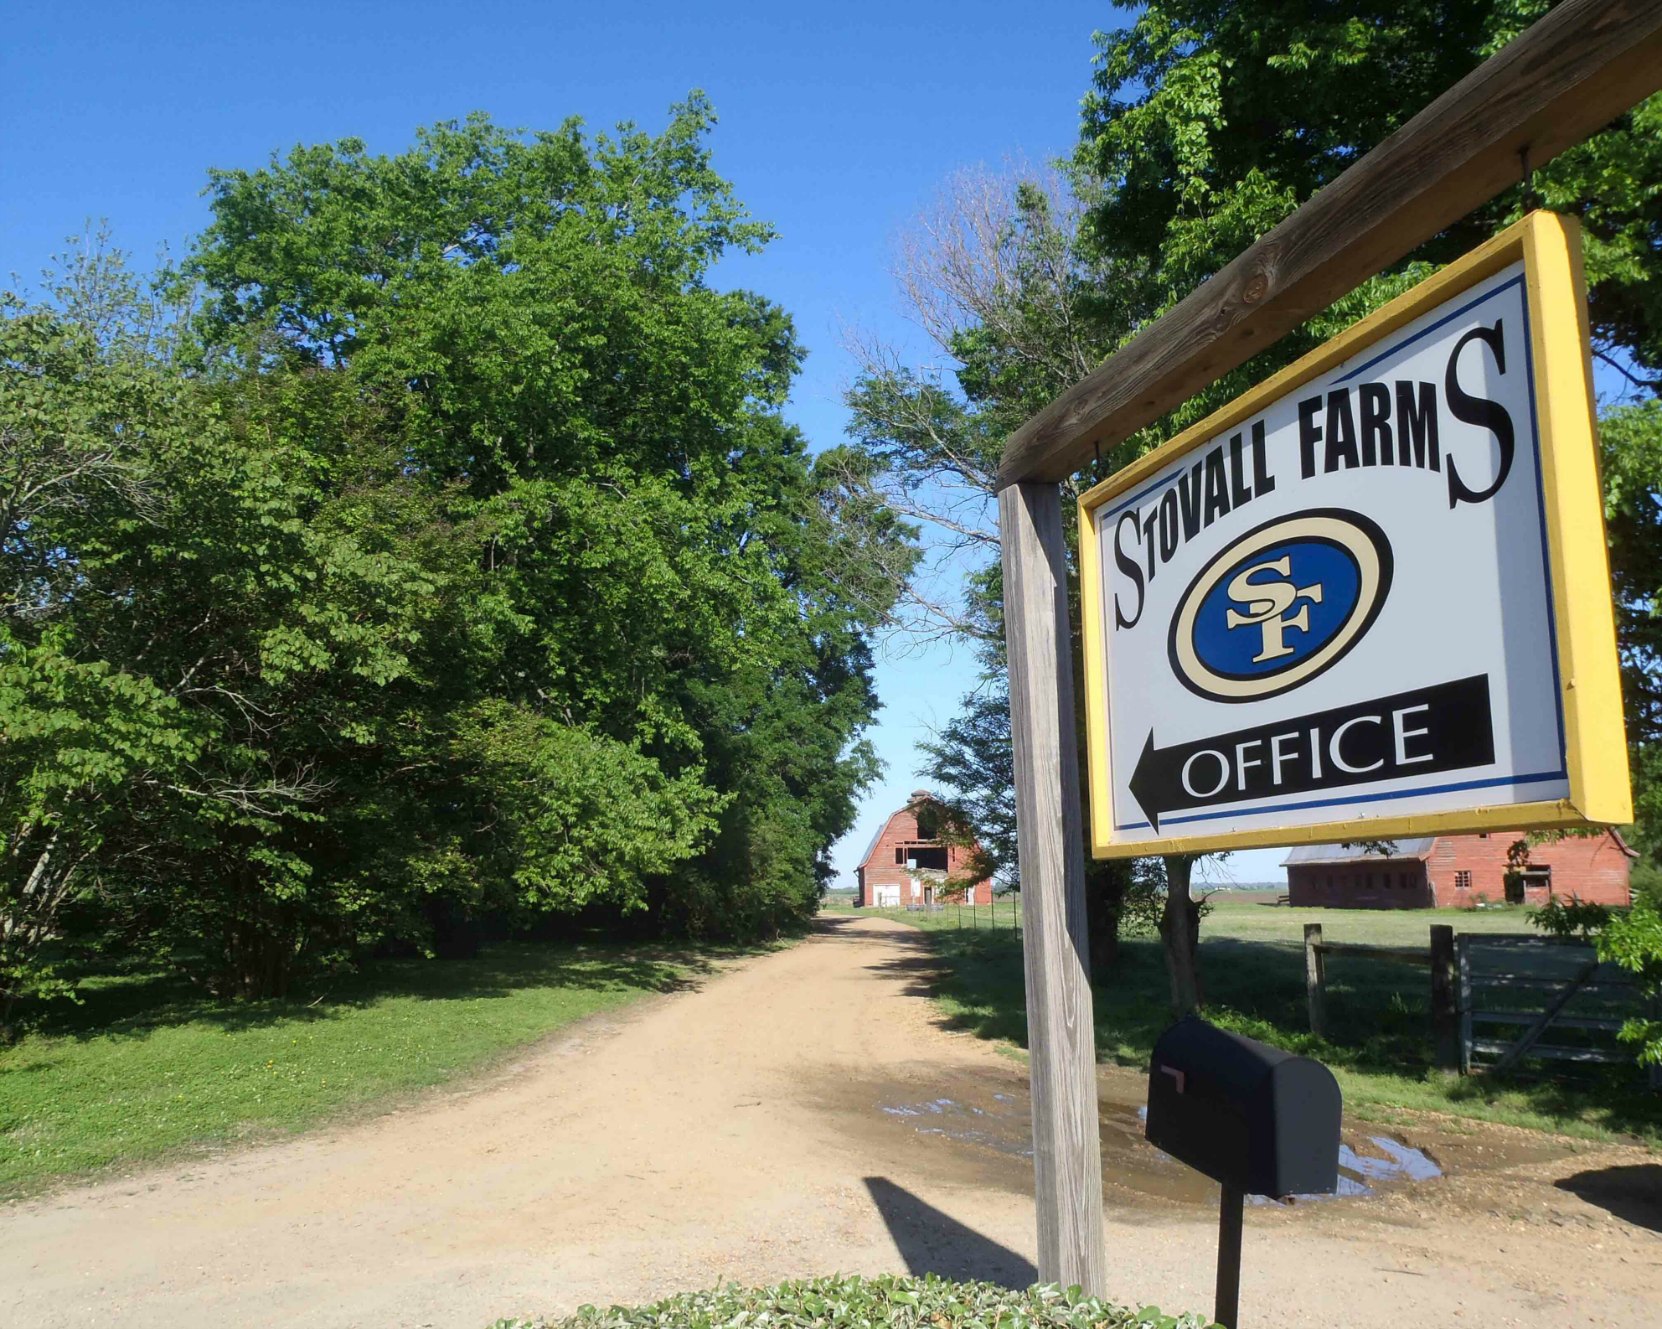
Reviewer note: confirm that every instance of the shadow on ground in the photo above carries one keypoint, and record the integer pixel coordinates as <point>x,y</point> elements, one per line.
<point>1633,1194</point>
<point>919,961</point>
<point>933,1242</point>
<point>1378,1012</point>
<point>135,1005</point>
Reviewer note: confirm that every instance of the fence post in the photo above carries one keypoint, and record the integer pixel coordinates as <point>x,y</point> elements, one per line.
<point>1445,1008</point>
<point>1463,963</point>
<point>1315,979</point>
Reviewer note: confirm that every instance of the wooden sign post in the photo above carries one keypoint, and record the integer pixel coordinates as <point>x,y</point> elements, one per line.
<point>1050,835</point>
<point>1561,81</point>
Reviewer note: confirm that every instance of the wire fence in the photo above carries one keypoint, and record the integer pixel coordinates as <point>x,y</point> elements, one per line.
<point>1001,913</point>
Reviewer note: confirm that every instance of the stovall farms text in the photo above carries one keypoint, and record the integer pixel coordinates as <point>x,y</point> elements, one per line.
<point>1390,423</point>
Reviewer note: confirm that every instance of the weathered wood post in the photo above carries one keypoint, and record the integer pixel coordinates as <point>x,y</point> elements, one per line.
<point>1463,967</point>
<point>1061,1035</point>
<point>1445,1008</point>
<point>1315,979</point>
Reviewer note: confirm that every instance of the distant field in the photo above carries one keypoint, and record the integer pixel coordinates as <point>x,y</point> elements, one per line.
<point>1252,963</point>
<point>1254,916</point>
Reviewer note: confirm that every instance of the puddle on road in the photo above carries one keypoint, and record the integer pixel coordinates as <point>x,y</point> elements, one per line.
<point>1008,1129</point>
<point>999,1121</point>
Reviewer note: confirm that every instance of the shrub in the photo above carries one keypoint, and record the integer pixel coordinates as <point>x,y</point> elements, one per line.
<point>905,1303</point>
<point>1631,938</point>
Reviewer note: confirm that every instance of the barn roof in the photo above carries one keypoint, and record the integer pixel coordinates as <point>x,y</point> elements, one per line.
<point>917,796</point>
<point>876,835</point>
<point>1355,853</point>
<point>1403,849</point>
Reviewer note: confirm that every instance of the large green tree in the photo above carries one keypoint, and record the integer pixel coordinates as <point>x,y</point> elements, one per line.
<point>1208,121</point>
<point>456,544</point>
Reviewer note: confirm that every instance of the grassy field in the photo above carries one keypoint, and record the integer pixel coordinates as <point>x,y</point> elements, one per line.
<point>1252,961</point>
<point>147,1066</point>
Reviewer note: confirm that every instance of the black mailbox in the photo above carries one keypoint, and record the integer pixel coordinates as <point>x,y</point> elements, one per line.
<point>1254,1118</point>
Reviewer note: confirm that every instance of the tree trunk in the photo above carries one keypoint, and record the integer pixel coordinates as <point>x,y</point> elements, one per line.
<point>1180,931</point>
<point>1102,919</point>
<point>1106,885</point>
<point>26,922</point>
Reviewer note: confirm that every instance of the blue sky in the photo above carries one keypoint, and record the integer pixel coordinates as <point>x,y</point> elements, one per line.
<point>838,123</point>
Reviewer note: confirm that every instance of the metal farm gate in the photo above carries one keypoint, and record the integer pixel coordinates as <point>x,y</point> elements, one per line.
<point>1543,999</point>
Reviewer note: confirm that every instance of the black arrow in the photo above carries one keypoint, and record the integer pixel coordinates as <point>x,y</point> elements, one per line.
<point>1441,728</point>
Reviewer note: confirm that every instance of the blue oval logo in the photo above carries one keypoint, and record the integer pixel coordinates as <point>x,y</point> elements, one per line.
<point>1281,605</point>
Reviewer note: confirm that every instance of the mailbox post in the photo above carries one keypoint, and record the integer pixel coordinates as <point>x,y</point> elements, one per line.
<point>1226,1300</point>
<point>1255,1119</point>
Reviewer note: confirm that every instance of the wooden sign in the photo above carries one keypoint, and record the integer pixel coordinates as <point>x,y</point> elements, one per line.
<point>1370,597</point>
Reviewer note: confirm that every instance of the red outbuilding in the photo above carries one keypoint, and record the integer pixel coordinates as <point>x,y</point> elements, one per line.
<point>908,864</point>
<point>1461,871</point>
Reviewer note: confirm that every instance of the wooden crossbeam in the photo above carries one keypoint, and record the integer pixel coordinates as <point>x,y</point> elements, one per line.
<point>1607,1024</point>
<point>1555,1052</point>
<point>1559,82</point>
<point>1401,954</point>
<point>1532,1035</point>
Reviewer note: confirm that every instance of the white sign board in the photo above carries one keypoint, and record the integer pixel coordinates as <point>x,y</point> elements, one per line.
<point>1339,609</point>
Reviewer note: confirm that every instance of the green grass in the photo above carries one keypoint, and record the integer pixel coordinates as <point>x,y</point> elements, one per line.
<point>147,1066</point>
<point>1252,964</point>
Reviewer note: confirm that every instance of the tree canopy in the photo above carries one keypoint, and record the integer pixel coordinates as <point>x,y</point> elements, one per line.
<point>1208,121</point>
<point>435,552</point>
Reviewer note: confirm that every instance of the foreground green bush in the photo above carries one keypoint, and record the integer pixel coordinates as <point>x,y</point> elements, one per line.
<point>926,1303</point>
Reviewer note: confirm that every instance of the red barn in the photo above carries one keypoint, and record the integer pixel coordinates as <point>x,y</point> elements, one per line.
<point>1460,871</point>
<point>907,862</point>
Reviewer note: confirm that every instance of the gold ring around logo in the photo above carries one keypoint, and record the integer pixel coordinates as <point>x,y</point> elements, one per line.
<point>1356,535</point>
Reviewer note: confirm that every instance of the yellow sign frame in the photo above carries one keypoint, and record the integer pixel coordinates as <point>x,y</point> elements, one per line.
<point>1594,733</point>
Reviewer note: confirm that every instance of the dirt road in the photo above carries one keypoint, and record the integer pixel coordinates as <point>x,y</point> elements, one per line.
<point>802,1113</point>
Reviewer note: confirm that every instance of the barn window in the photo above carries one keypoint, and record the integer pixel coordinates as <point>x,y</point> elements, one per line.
<point>900,858</point>
<point>1462,881</point>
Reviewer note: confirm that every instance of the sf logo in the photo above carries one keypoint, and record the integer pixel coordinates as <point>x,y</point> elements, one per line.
<point>1269,605</point>
<point>1280,605</point>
